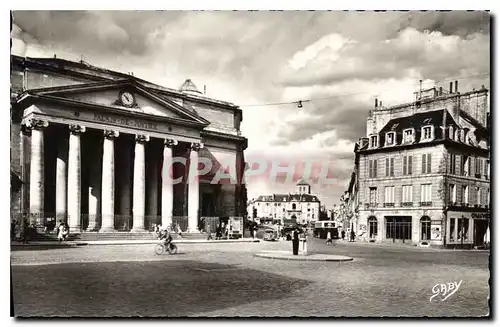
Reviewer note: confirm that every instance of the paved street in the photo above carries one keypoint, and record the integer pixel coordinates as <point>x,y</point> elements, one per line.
<point>227,280</point>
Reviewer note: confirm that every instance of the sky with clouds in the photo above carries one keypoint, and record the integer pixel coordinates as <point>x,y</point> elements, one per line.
<point>341,60</point>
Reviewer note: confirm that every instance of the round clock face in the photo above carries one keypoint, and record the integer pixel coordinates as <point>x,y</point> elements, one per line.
<point>127,98</point>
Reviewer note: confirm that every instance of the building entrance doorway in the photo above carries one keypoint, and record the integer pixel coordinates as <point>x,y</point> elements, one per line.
<point>398,228</point>
<point>480,228</point>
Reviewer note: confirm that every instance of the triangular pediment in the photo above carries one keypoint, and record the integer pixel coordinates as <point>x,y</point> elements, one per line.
<point>123,95</point>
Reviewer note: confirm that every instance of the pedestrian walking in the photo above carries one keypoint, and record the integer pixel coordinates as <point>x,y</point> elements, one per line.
<point>329,237</point>
<point>343,234</point>
<point>295,242</point>
<point>218,232</point>
<point>26,232</point>
<point>352,235</point>
<point>251,229</point>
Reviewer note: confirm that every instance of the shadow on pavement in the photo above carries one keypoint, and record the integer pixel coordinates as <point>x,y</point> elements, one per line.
<point>150,289</point>
<point>34,247</point>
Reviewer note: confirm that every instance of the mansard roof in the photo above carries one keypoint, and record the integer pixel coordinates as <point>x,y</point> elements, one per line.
<point>416,121</point>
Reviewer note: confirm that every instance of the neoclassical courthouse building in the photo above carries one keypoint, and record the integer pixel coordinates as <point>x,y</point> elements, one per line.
<point>89,145</point>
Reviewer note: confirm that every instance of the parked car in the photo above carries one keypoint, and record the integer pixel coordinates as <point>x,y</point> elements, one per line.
<point>270,235</point>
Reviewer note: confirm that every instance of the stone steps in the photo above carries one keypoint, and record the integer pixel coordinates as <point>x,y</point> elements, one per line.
<point>95,236</point>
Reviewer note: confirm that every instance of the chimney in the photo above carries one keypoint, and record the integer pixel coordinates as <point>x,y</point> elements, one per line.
<point>440,90</point>
<point>376,102</point>
<point>456,86</point>
<point>55,57</point>
<point>380,104</point>
<point>451,87</point>
<point>204,89</point>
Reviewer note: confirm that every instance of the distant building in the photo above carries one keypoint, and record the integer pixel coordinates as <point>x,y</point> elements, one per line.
<point>424,171</point>
<point>301,205</point>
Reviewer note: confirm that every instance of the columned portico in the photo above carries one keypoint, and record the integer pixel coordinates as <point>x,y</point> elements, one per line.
<point>74,178</point>
<point>112,171</point>
<point>193,188</point>
<point>139,192</point>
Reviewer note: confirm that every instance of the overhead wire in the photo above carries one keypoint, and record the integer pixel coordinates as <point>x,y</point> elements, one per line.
<point>300,102</point>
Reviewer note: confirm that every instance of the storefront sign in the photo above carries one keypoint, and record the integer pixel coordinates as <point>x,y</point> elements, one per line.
<point>123,121</point>
<point>483,215</point>
<point>469,215</point>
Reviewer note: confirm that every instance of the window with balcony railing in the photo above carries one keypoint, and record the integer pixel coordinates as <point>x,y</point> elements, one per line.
<point>425,203</point>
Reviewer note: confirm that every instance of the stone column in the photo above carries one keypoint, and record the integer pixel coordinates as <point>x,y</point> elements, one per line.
<point>193,188</point>
<point>108,182</point>
<point>74,178</point>
<point>62,180</point>
<point>25,155</point>
<point>139,193</point>
<point>36,168</point>
<point>167,190</point>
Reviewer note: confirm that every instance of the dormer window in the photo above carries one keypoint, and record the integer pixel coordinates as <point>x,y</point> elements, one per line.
<point>408,135</point>
<point>390,138</point>
<point>374,141</point>
<point>427,133</point>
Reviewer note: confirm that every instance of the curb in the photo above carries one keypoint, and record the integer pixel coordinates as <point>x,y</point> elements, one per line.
<point>411,247</point>
<point>130,242</point>
<point>311,257</point>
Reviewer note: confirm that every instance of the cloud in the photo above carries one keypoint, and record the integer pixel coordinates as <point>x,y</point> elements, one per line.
<point>432,54</point>
<point>388,69</point>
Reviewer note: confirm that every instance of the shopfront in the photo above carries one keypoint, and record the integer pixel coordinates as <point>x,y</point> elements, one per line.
<point>466,229</point>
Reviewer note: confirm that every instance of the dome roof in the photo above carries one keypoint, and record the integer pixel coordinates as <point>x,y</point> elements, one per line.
<point>302,182</point>
<point>188,86</point>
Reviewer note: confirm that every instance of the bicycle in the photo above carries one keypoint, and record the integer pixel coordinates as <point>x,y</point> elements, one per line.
<point>161,247</point>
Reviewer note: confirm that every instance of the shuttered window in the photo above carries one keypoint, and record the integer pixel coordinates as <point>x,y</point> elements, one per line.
<point>426,163</point>
<point>407,165</point>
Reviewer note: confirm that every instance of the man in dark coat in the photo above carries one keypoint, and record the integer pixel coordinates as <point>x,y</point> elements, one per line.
<point>352,235</point>
<point>295,242</point>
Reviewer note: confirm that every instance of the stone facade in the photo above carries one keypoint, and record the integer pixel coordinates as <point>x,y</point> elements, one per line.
<point>423,172</point>
<point>302,206</point>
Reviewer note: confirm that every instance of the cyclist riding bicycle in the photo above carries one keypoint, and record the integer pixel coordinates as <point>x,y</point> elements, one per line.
<point>165,236</point>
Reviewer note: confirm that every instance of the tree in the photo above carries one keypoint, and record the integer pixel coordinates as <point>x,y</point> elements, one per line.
<point>323,215</point>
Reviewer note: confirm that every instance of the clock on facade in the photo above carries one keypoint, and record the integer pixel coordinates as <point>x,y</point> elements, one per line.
<point>127,99</point>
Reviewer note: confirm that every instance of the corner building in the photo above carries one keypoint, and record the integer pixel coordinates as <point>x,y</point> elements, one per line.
<point>92,145</point>
<point>424,171</point>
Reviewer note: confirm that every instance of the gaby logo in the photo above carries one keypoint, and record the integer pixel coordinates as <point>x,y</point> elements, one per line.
<point>445,290</point>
